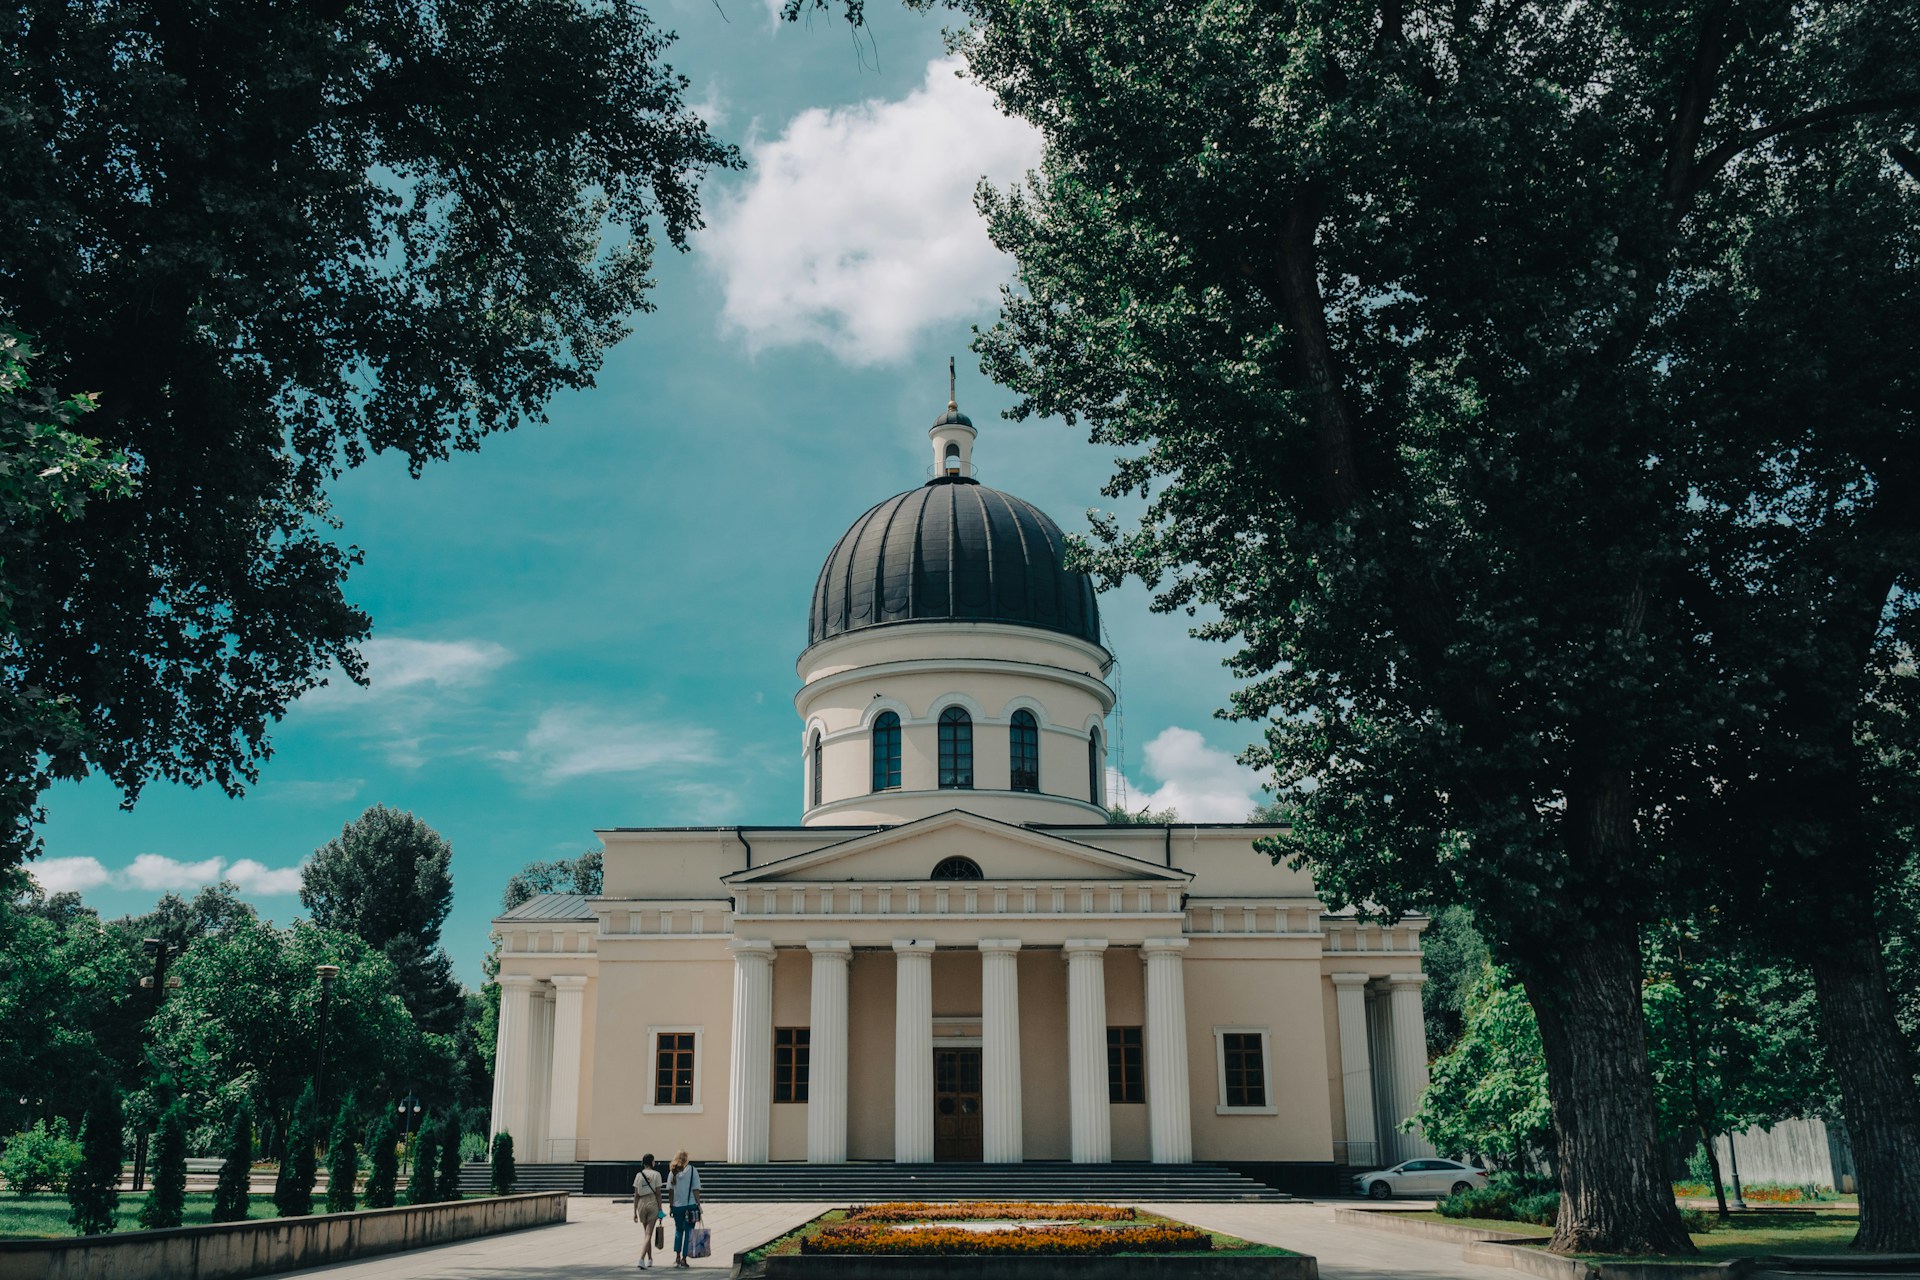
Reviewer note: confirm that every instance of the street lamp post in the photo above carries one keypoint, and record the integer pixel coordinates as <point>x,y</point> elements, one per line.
<point>327,972</point>
<point>158,983</point>
<point>409,1110</point>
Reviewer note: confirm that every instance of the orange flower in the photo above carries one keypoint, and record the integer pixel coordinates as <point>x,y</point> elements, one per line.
<point>870,1238</point>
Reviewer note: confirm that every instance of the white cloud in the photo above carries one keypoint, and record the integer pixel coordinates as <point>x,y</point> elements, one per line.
<point>157,871</point>
<point>856,228</point>
<point>69,875</point>
<point>412,686</point>
<point>571,742</point>
<point>1198,782</point>
<point>268,882</point>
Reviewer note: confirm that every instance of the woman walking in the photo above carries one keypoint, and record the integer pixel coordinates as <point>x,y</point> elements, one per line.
<point>647,1187</point>
<point>684,1184</point>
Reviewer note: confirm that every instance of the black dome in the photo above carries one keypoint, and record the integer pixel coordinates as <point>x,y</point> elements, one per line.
<point>952,550</point>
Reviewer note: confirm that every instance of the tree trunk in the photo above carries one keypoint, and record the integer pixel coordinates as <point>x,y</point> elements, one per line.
<point>1615,1195</point>
<point>1713,1163</point>
<point>1877,1094</point>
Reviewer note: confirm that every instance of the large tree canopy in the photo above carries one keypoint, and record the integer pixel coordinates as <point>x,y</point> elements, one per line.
<point>271,239</point>
<point>1388,299</point>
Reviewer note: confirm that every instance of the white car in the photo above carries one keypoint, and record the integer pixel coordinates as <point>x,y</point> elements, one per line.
<point>1425,1177</point>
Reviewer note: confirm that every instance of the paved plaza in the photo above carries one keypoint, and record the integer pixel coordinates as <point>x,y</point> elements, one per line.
<point>599,1239</point>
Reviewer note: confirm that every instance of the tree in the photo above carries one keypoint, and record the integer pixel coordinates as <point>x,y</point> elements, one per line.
<point>1454,956</point>
<point>1487,1095</point>
<point>502,1173</point>
<point>1383,298</point>
<point>343,1162</point>
<point>415,227</point>
<point>232,1194</point>
<point>580,875</point>
<point>299,1163</point>
<point>420,1179</point>
<point>167,1201</point>
<point>446,1184</point>
<point>386,879</point>
<point>93,1192</point>
<point>40,1159</point>
<point>1143,817</point>
<point>383,1163</point>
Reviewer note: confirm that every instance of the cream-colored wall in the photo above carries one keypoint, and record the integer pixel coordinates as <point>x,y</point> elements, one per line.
<point>654,984</point>
<point>950,641</point>
<point>1045,1108</point>
<point>792,1007</point>
<point>1127,1007</point>
<point>870,996</point>
<point>1258,984</point>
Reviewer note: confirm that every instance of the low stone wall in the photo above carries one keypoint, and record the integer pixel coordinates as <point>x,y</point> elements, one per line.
<point>1175,1266</point>
<point>235,1249</point>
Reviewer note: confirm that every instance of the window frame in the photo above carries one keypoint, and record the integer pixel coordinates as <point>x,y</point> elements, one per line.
<point>1023,739</point>
<point>798,1063</point>
<point>1138,1078</point>
<point>1221,1107</point>
<point>1094,789</point>
<point>814,758</point>
<point>960,720</point>
<point>653,1107</point>
<point>894,735</point>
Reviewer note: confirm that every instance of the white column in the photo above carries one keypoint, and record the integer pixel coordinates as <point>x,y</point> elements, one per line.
<point>1092,1128</point>
<point>511,1057</point>
<point>540,1068</point>
<point>913,1051</point>
<point>563,1107</point>
<point>1356,1069</point>
<point>750,1072</point>
<point>1000,1051</point>
<point>827,1054</point>
<point>1409,1021</point>
<point>1169,1106</point>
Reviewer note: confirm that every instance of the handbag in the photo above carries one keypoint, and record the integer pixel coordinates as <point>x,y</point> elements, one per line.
<point>659,1236</point>
<point>701,1245</point>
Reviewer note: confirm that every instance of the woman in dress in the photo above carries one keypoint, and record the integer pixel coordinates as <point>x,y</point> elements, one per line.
<point>647,1187</point>
<point>684,1187</point>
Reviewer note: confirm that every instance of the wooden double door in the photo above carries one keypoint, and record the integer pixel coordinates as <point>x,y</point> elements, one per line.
<point>956,1104</point>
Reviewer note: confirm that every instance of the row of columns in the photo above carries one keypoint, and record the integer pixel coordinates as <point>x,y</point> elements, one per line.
<point>1383,1059</point>
<point>536,1072</point>
<point>750,1098</point>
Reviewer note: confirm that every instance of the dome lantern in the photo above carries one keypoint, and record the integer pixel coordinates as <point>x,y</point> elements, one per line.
<point>952,434</point>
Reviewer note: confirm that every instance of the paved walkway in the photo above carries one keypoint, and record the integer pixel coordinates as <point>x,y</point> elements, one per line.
<point>600,1240</point>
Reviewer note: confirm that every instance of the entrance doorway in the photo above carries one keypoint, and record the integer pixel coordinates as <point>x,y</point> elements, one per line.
<point>956,1104</point>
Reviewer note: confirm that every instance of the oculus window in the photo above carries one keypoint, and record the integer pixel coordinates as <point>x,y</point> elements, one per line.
<point>886,752</point>
<point>1126,1065</point>
<point>956,750</point>
<point>673,1069</point>
<point>790,1062</point>
<point>1024,745</point>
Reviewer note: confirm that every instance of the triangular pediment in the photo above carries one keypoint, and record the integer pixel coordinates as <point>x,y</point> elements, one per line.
<point>1004,852</point>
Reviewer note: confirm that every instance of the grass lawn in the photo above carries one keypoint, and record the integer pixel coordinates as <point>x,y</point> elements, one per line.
<point>43,1215</point>
<point>1222,1243</point>
<point>1747,1235</point>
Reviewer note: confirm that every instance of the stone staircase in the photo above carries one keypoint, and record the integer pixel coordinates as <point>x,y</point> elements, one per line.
<point>1125,1183</point>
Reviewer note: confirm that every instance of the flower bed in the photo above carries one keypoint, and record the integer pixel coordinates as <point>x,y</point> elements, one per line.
<point>989,1211</point>
<point>1050,1241</point>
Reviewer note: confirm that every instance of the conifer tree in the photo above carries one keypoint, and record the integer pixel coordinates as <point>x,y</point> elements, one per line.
<point>503,1172</point>
<point>447,1185</point>
<point>94,1189</point>
<point>293,1194</point>
<point>232,1197</point>
<point>383,1163</point>
<point>420,1181</point>
<point>343,1162</point>
<point>167,1202</point>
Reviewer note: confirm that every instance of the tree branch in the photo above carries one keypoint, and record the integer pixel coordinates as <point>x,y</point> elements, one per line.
<point>1696,95</point>
<point>1905,158</point>
<point>1722,155</point>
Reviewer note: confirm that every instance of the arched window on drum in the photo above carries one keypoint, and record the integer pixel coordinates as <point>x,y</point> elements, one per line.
<point>1024,751</point>
<point>1094,771</point>
<point>956,750</point>
<point>813,761</point>
<point>886,752</point>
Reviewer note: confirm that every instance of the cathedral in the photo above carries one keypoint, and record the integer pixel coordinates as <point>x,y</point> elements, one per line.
<point>954,956</point>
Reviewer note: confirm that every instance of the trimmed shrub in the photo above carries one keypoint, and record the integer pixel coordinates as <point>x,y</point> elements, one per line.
<point>167,1202</point>
<point>383,1163</point>
<point>233,1194</point>
<point>1698,1221</point>
<point>93,1190</point>
<point>1502,1204</point>
<point>425,1152</point>
<point>41,1158</point>
<point>447,1185</point>
<point>343,1162</point>
<point>503,1174</point>
<point>300,1165</point>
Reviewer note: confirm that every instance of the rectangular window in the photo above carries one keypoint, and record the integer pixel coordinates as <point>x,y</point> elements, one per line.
<point>673,1069</point>
<point>1126,1079</point>
<point>1244,1062</point>
<point>790,1054</point>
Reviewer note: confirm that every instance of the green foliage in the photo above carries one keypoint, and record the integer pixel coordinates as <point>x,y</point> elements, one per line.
<point>232,1195</point>
<point>352,267</point>
<point>383,1162</point>
<point>503,1173</point>
<point>446,1184</point>
<point>1143,817</point>
<point>299,1162</point>
<point>1502,1203</point>
<point>93,1189</point>
<point>343,1162</point>
<point>167,1200</point>
<point>561,875</point>
<point>41,1158</point>
<point>1488,1093</point>
<point>1453,956</point>
<point>426,1152</point>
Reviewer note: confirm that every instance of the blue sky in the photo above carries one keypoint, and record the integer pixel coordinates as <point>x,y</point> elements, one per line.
<point>594,622</point>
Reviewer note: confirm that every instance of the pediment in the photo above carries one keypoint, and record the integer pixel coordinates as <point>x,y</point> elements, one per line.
<point>1003,851</point>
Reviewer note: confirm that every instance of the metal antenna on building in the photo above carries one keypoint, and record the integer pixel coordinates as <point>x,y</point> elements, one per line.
<point>1119,721</point>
